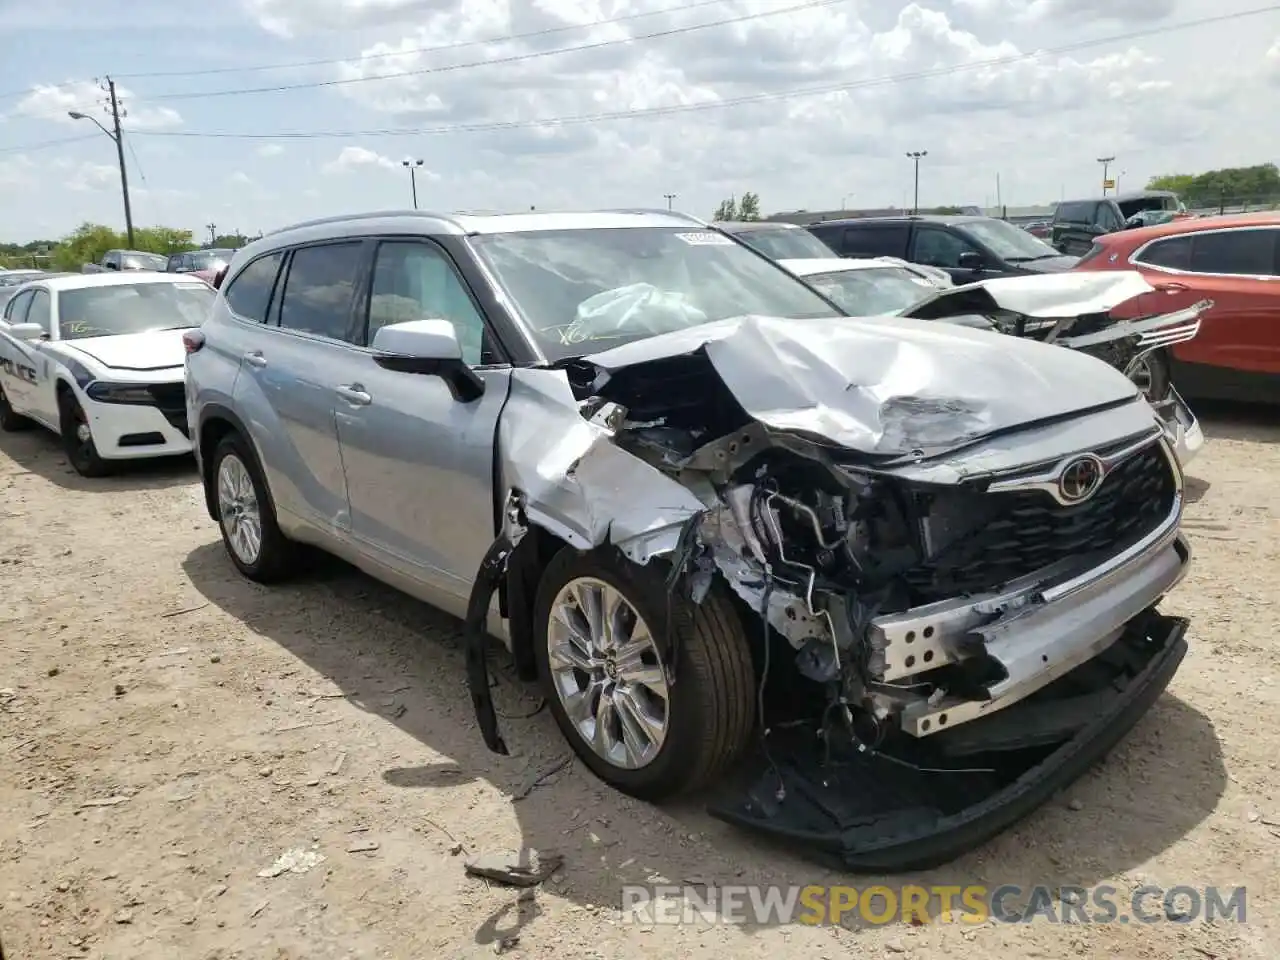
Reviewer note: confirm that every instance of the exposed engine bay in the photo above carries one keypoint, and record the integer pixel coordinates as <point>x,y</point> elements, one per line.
<point>958,613</point>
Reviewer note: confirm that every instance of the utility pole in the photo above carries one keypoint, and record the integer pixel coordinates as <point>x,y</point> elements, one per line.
<point>1106,165</point>
<point>413,166</point>
<point>999,198</point>
<point>915,156</point>
<point>670,197</point>
<point>124,174</point>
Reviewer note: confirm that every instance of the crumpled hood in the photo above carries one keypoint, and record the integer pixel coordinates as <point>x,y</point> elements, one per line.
<point>1049,295</point>
<point>885,386</point>
<point>157,350</point>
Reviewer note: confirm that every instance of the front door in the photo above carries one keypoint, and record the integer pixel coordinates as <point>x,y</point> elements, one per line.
<point>418,463</point>
<point>938,247</point>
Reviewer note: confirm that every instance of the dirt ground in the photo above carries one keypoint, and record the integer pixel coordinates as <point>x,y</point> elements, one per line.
<point>168,730</point>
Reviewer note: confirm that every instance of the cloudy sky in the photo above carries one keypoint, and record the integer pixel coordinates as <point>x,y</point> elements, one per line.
<point>809,103</point>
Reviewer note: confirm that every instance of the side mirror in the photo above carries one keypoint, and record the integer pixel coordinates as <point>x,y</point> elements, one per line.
<point>111,266</point>
<point>429,348</point>
<point>26,331</point>
<point>218,277</point>
<point>970,261</point>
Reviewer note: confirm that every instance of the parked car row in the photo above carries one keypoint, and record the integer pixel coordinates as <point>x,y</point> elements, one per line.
<point>748,537</point>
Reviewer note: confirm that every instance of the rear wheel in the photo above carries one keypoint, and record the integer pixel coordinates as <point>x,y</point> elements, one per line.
<point>77,438</point>
<point>246,516</point>
<point>601,626</point>
<point>9,420</point>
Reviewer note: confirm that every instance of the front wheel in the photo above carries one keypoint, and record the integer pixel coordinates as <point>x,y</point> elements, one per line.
<point>601,626</point>
<point>77,438</point>
<point>1151,374</point>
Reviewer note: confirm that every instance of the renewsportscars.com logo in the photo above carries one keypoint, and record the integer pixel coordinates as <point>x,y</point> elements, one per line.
<point>879,904</point>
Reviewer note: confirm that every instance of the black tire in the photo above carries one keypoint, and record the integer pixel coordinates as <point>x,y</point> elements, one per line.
<point>277,555</point>
<point>1159,376</point>
<point>711,704</point>
<point>83,454</point>
<point>11,422</point>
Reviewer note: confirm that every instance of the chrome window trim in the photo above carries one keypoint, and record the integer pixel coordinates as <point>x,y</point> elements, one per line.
<point>1135,258</point>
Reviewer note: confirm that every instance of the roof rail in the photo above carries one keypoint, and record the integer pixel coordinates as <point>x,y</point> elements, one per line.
<point>370,215</point>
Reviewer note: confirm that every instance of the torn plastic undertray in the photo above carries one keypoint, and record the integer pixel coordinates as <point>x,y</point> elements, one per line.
<point>867,813</point>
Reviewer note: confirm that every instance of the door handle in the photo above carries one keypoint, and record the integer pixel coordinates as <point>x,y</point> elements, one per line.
<point>255,358</point>
<point>354,394</point>
<point>1171,287</point>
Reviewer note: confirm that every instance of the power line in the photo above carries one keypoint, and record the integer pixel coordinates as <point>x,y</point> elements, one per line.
<point>717,104</point>
<point>48,144</point>
<point>513,58</point>
<point>459,45</point>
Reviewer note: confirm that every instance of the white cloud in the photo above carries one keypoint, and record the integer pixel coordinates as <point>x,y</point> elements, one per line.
<point>16,171</point>
<point>240,178</point>
<point>56,101</point>
<point>93,176</point>
<point>270,150</point>
<point>354,158</point>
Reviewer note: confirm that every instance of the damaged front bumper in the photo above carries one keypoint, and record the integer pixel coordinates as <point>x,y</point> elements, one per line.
<point>1180,426</point>
<point>869,813</point>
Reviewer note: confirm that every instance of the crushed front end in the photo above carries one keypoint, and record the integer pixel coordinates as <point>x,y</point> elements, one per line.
<point>952,632</point>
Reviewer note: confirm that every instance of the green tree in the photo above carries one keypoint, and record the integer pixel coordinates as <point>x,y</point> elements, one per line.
<point>1254,184</point>
<point>164,240</point>
<point>749,206</point>
<point>728,210</point>
<point>86,244</point>
<point>1179,183</point>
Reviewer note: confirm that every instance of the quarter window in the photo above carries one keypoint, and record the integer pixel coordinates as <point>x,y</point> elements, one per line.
<point>40,312</point>
<point>16,310</point>
<point>318,290</point>
<point>416,281</point>
<point>249,294</point>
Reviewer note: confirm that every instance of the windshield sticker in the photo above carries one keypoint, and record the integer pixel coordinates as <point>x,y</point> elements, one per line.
<point>705,239</point>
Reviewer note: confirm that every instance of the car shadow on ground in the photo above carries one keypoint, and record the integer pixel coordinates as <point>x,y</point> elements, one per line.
<point>40,452</point>
<point>1157,785</point>
<point>1254,422</point>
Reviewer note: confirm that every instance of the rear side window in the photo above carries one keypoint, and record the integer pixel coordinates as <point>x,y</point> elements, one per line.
<point>1075,211</point>
<point>40,312</point>
<point>880,240</point>
<point>16,310</point>
<point>1172,254</point>
<point>318,291</point>
<point>249,294</point>
<point>1240,252</point>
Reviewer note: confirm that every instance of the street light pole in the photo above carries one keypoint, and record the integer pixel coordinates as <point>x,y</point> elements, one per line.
<point>118,138</point>
<point>413,166</point>
<point>670,198</point>
<point>1106,165</point>
<point>915,156</point>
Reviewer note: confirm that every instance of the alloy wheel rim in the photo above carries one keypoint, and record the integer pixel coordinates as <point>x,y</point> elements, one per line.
<point>239,510</point>
<point>607,673</point>
<point>1141,376</point>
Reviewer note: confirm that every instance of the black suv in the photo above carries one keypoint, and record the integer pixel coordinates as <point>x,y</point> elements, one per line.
<point>968,248</point>
<point>777,241</point>
<point>1077,223</point>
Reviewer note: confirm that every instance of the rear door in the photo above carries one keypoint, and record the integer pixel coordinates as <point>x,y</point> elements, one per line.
<point>867,240</point>
<point>1238,270</point>
<point>17,357</point>
<point>419,464</point>
<point>289,374</point>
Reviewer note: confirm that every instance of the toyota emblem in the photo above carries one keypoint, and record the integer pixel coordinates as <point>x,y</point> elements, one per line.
<point>1081,479</point>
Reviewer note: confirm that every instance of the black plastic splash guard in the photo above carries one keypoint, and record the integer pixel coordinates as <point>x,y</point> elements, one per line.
<point>867,814</point>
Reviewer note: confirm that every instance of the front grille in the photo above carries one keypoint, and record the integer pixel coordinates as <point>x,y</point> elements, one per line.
<point>1011,535</point>
<point>171,400</point>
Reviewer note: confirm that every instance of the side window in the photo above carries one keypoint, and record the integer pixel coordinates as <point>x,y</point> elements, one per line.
<point>249,294</point>
<point>111,261</point>
<point>875,241</point>
<point>16,309</point>
<point>416,281</point>
<point>318,289</point>
<point>1240,252</point>
<point>174,264</point>
<point>1106,219</point>
<point>1173,254</point>
<point>40,310</point>
<point>940,248</point>
<point>829,236</point>
<point>1073,211</point>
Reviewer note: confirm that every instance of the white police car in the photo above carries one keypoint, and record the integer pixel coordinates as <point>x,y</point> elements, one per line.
<point>98,359</point>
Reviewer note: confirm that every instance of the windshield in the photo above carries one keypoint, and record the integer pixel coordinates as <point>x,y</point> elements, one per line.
<point>211,259</point>
<point>1007,241</point>
<point>1137,204</point>
<point>784,244</point>
<point>143,261</point>
<point>874,291</point>
<point>587,290</point>
<point>132,308</point>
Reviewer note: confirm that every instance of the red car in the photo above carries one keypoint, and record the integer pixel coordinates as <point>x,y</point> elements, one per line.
<point>1233,261</point>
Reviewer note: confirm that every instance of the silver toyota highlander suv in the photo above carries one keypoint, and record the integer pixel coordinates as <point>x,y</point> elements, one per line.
<point>880,586</point>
